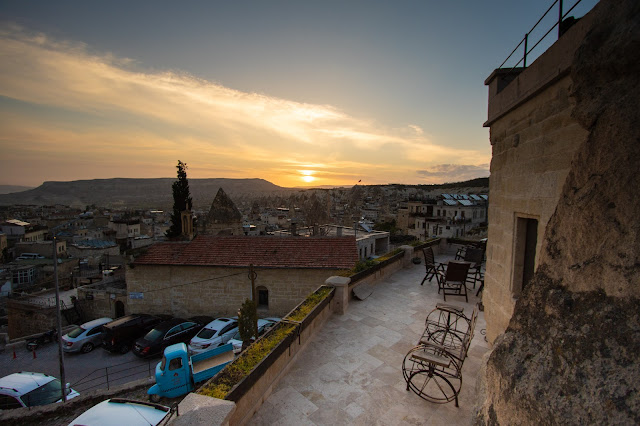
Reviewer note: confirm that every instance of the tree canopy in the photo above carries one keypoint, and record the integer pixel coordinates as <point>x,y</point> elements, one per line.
<point>181,200</point>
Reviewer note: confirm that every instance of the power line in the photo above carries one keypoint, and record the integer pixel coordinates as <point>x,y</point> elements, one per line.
<point>194,282</point>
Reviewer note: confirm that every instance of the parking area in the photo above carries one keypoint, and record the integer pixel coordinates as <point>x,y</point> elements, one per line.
<point>95,370</point>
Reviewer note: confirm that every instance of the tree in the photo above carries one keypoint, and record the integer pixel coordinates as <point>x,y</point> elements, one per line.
<point>181,200</point>
<point>248,322</point>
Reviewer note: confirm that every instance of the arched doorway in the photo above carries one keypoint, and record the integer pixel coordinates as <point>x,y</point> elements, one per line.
<point>119,309</point>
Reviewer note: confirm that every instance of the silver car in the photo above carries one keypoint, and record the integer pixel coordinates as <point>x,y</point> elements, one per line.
<point>86,337</point>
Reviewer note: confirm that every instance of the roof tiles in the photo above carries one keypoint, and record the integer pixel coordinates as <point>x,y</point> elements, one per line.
<point>264,251</point>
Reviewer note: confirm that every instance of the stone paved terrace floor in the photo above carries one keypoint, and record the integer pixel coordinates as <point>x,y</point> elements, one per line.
<point>351,370</point>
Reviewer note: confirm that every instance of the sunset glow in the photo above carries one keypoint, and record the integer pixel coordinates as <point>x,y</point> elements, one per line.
<point>293,108</point>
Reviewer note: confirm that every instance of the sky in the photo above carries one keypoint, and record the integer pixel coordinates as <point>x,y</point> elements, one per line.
<point>300,93</point>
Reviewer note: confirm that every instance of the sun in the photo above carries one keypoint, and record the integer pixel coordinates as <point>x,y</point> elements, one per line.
<point>307,175</point>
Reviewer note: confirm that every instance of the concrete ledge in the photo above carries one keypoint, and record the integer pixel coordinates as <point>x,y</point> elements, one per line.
<point>553,64</point>
<point>203,410</point>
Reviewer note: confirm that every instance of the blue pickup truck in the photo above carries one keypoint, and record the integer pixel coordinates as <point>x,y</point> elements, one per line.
<point>178,373</point>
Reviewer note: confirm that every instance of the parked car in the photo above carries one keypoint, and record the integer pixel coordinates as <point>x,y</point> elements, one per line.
<point>86,337</point>
<point>214,334</point>
<point>119,411</point>
<point>264,325</point>
<point>167,333</point>
<point>26,389</point>
<point>121,334</point>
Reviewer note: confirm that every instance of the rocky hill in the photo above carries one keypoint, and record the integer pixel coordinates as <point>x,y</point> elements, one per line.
<point>135,193</point>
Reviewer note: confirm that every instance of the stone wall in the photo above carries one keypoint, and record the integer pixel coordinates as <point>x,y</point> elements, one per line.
<point>199,290</point>
<point>95,302</point>
<point>571,353</point>
<point>533,139</point>
<point>26,319</point>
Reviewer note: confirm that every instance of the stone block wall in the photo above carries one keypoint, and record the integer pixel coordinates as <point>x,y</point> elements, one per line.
<point>216,291</point>
<point>100,304</point>
<point>26,319</point>
<point>534,139</point>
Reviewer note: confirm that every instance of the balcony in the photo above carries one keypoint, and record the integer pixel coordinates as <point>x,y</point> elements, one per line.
<point>350,371</point>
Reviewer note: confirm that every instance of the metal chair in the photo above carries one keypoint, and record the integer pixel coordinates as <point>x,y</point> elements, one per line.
<point>433,368</point>
<point>430,264</point>
<point>475,256</point>
<point>453,281</point>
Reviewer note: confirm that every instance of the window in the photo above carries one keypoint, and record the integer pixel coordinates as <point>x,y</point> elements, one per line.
<point>175,364</point>
<point>524,253</point>
<point>188,325</point>
<point>175,330</point>
<point>95,331</point>
<point>8,402</point>
<point>263,297</point>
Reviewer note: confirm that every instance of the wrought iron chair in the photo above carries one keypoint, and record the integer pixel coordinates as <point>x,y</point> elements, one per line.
<point>453,280</point>
<point>430,264</point>
<point>433,368</point>
<point>475,256</point>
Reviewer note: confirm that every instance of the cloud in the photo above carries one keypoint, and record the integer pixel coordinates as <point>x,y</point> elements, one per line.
<point>89,105</point>
<point>416,129</point>
<point>455,172</point>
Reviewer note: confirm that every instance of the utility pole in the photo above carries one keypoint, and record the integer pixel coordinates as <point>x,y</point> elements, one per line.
<point>63,384</point>
<point>252,276</point>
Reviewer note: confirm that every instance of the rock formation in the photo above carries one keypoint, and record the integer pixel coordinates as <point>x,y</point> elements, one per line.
<point>224,218</point>
<point>571,353</point>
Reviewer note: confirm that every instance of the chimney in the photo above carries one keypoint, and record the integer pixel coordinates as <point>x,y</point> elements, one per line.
<point>339,231</point>
<point>294,229</point>
<point>316,230</point>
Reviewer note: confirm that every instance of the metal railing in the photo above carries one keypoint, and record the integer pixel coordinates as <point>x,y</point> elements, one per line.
<point>558,23</point>
<point>116,374</point>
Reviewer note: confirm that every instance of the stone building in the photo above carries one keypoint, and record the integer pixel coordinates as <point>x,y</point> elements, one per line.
<point>534,139</point>
<point>210,274</point>
<point>223,218</point>
<point>562,289</point>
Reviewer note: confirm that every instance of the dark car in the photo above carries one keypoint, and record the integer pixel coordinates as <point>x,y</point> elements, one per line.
<point>119,335</point>
<point>167,333</point>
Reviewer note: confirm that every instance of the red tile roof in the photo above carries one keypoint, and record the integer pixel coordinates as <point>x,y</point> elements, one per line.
<point>264,251</point>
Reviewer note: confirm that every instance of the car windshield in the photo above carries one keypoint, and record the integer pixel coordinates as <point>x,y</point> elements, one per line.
<point>43,395</point>
<point>75,332</point>
<point>236,336</point>
<point>207,333</point>
<point>154,335</point>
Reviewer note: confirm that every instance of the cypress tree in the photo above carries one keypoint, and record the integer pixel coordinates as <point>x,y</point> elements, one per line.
<point>181,200</point>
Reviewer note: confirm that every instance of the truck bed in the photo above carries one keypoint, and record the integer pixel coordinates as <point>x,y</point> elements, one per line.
<point>199,366</point>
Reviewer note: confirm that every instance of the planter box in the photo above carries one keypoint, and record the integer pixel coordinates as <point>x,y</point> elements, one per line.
<point>240,389</point>
<point>252,390</point>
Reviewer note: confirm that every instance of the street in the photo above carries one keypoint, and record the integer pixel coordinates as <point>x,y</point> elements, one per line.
<point>95,370</point>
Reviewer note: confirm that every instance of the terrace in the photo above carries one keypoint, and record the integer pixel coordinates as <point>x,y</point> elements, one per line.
<point>351,369</point>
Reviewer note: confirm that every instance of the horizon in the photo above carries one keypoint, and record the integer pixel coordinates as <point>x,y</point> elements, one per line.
<point>301,95</point>
<point>285,187</point>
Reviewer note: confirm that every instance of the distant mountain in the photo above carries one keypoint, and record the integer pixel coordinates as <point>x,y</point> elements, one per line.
<point>8,189</point>
<point>136,193</point>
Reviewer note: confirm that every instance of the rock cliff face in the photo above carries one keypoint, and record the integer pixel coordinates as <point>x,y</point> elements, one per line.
<point>571,354</point>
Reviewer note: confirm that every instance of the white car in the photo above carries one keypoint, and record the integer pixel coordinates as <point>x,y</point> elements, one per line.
<point>119,412</point>
<point>26,389</point>
<point>263,326</point>
<point>86,337</point>
<point>214,334</point>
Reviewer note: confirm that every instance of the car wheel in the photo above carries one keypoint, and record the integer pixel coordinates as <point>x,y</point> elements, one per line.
<point>155,398</point>
<point>87,347</point>
<point>124,348</point>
